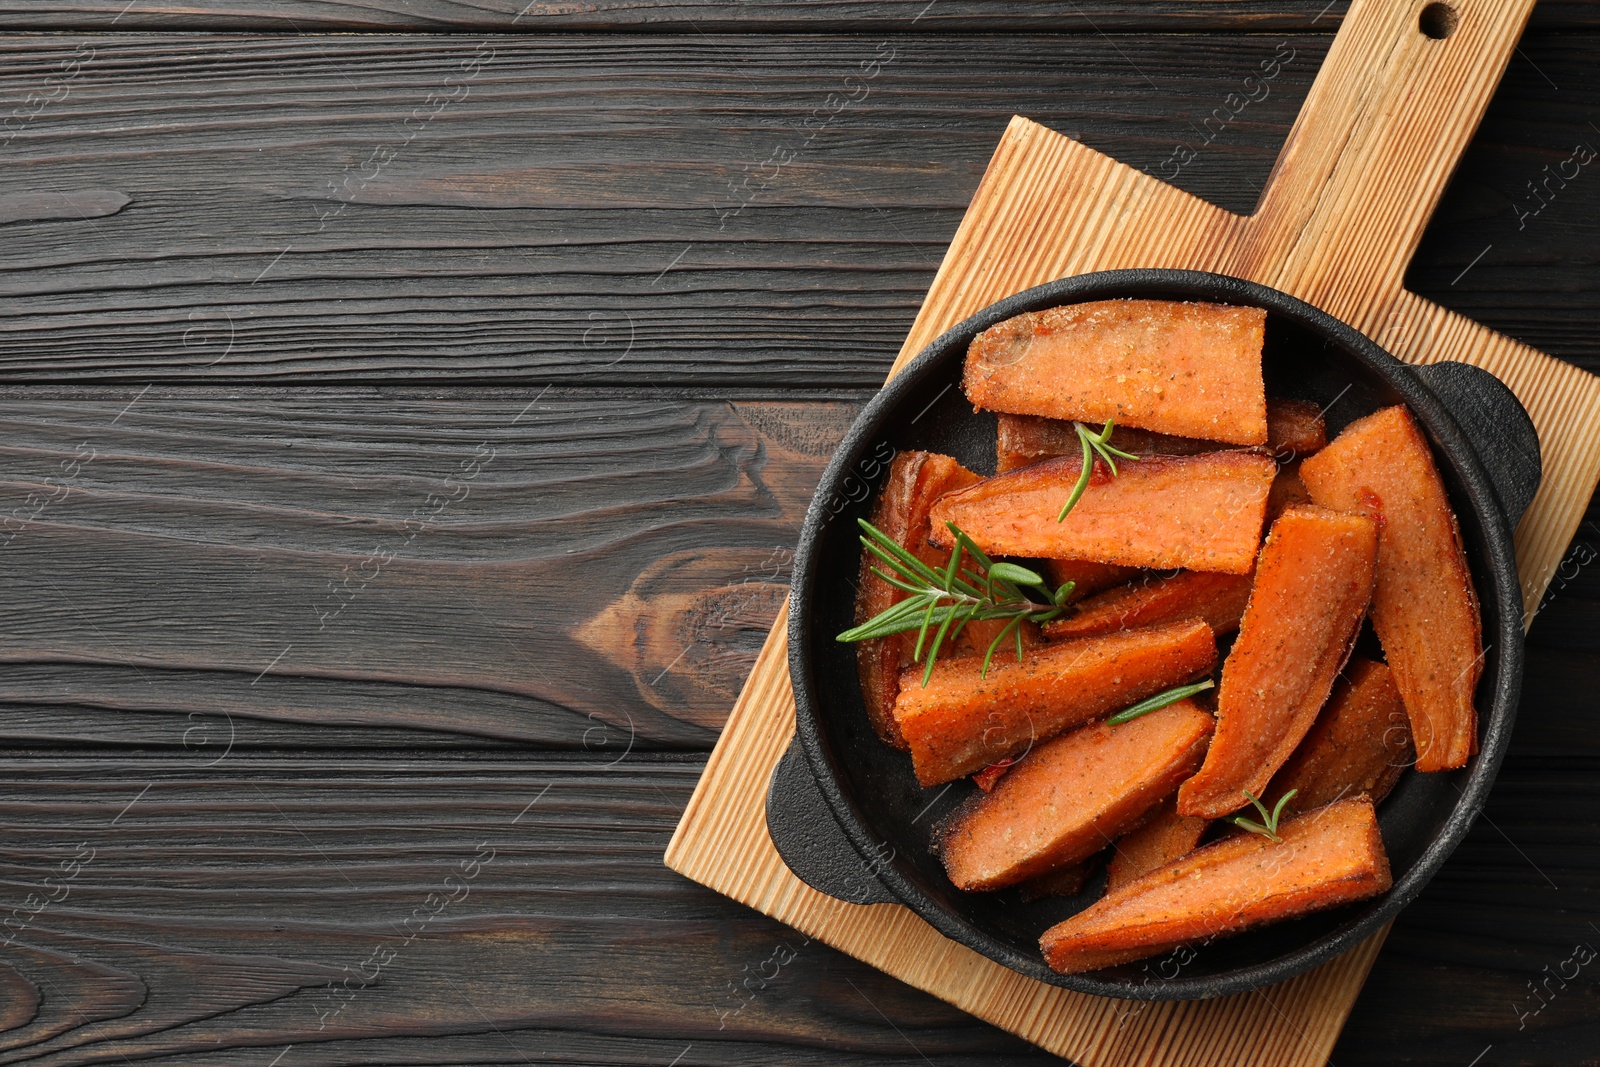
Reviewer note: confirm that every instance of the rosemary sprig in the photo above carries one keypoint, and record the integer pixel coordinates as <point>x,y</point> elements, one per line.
<point>1159,701</point>
<point>1094,444</point>
<point>945,600</point>
<point>1268,827</point>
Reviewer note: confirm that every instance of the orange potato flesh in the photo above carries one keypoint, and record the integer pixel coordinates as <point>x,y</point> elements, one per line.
<point>1086,575</point>
<point>1294,428</point>
<point>1424,607</point>
<point>1154,844</point>
<point>1360,744</point>
<point>1201,512</point>
<point>1331,856</point>
<point>1188,369</point>
<point>1071,795</point>
<point>915,481</point>
<point>1312,589</point>
<point>1219,599</point>
<point>962,722</point>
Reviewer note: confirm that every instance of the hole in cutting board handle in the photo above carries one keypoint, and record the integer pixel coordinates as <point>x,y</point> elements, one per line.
<point>1438,21</point>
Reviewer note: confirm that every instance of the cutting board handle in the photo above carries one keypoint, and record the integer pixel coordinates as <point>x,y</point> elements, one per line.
<point>1401,92</point>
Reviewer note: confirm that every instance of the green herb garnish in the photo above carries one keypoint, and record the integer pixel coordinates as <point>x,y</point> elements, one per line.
<point>1159,701</point>
<point>951,597</point>
<point>1094,444</point>
<point>1268,827</point>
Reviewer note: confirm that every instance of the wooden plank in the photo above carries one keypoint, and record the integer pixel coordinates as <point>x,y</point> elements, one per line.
<point>196,570</point>
<point>622,227</point>
<point>225,914</point>
<point>901,16</point>
<point>1364,167</point>
<point>248,887</point>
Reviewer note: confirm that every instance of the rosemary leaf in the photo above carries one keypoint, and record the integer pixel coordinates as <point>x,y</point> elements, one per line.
<point>1011,572</point>
<point>942,602</point>
<point>897,555</point>
<point>1268,827</point>
<point>1093,444</point>
<point>970,546</point>
<point>1159,701</point>
<point>1077,490</point>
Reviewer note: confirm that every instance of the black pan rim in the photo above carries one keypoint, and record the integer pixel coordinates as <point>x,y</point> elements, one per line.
<point>1503,582</point>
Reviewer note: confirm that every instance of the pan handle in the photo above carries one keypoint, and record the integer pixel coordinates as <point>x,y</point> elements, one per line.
<point>1496,424</point>
<point>810,840</point>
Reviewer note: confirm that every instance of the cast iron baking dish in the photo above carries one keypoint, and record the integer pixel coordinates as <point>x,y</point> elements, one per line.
<point>846,812</point>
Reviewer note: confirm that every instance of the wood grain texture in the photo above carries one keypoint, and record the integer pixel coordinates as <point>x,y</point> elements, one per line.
<point>198,570</point>
<point>1350,195</point>
<point>635,224</point>
<point>1388,116</point>
<point>228,892</point>
<point>1090,16</point>
<point>427,912</point>
<point>228,887</point>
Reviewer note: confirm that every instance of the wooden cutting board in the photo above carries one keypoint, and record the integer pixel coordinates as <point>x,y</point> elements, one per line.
<point>1369,156</point>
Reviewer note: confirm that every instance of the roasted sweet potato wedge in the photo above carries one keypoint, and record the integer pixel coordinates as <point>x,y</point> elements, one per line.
<point>1311,592</point>
<point>962,722</point>
<point>1359,745</point>
<point>915,481</point>
<point>1328,857</point>
<point>1068,797</point>
<point>1201,513</point>
<point>1219,599</point>
<point>988,777</point>
<point>1022,440</point>
<point>1180,368</point>
<point>1424,608</point>
<point>1155,843</point>
<point>1294,428</point>
<point>1065,881</point>
<point>1087,576</point>
<point>1287,491</point>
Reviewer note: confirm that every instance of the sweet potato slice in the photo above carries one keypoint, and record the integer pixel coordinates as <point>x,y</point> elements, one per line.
<point>1287,491</point>
<point>1065,881</point>
<point>1021,440</point>
<point>1219,599</point>
<point>1157,842</point>
<point>1086,575</point>
<point>1331,856</point>
<point>1359,745</point>
<point>1424,608</point>
<point>1294,428</point>
<point>915,481</point>
<point>1312,589</point>
<point>1071,795</point>
<point>1180,368</point>
<point>961,721</point>
<point>1201,513</point>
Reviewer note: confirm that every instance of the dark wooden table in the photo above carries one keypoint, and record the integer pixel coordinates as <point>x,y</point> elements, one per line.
<point>408,410</point>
